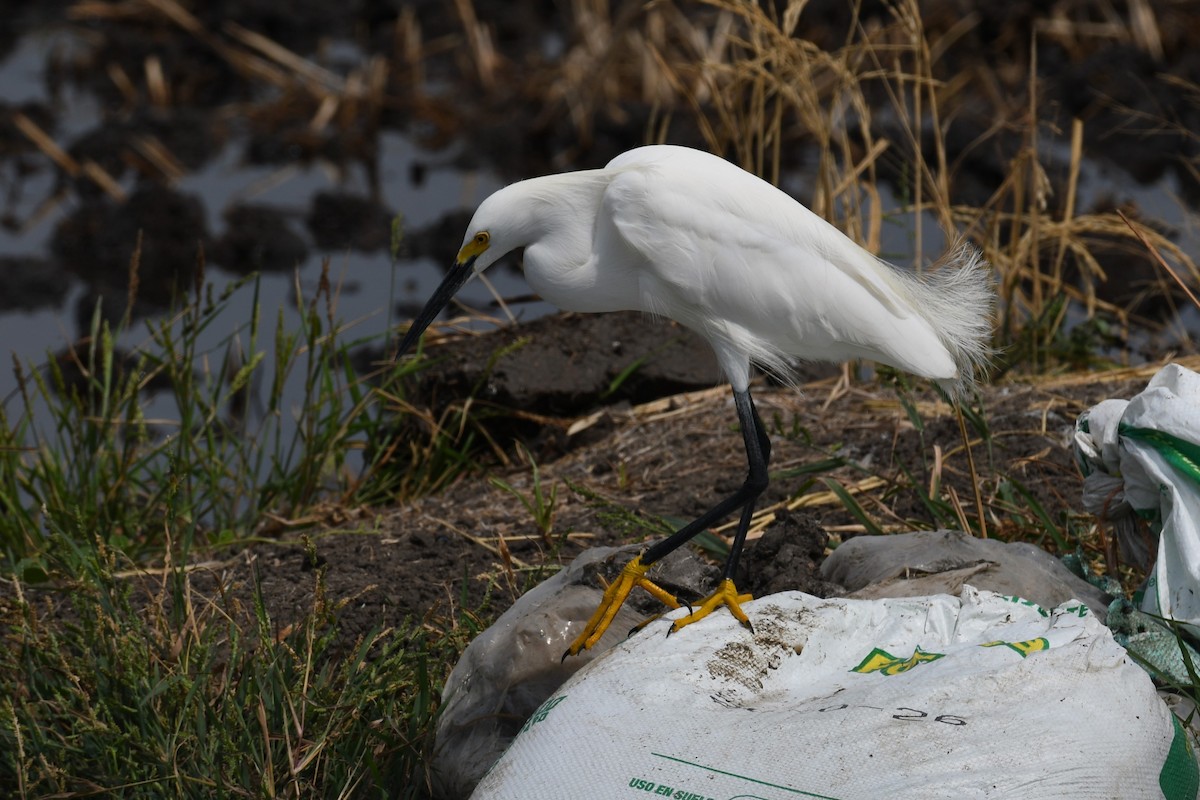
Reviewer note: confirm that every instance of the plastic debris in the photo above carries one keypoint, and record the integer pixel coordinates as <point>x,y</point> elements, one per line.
<point>1141,464</point>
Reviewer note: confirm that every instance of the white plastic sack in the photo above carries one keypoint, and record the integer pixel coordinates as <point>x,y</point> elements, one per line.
<point>1142,457</point>
<point>980,695</point>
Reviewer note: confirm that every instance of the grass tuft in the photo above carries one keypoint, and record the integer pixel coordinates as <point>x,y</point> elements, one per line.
<point>152,689</point>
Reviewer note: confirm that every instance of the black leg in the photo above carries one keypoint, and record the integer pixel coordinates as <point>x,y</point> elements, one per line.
<point>758,453</point>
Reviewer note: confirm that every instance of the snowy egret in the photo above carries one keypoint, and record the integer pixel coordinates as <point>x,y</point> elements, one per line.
<point>687,235</point>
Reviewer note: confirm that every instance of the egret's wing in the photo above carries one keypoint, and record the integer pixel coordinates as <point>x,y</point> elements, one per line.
<point>744,264</point>
<point>732,215</point>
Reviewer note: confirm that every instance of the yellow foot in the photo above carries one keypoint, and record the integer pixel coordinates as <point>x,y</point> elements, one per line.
<point>633,574</point>
<point>725,595</point>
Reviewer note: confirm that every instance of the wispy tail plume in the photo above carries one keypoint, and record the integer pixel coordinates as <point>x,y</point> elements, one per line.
<point>960,298</point>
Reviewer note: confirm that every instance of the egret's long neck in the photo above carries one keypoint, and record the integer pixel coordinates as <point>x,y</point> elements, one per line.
<point>555,218</point>
<point>554,207</point>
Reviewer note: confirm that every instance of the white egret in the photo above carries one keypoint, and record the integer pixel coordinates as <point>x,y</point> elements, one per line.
<point>684,234</point>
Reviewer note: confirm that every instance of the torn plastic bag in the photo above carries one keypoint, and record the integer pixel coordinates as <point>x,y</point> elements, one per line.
<point>1141,460</point>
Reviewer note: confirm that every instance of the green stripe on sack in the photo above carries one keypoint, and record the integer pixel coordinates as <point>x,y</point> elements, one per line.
<point>1180,777</point>
<point>1179,453</point>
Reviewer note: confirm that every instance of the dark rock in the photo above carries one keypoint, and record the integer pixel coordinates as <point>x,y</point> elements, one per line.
<point>567,364</point>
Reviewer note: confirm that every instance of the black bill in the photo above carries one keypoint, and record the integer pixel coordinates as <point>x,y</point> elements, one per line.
<point>455,278</point>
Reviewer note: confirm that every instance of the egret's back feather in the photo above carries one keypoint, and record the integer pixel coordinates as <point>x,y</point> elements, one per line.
<point>767,281</point>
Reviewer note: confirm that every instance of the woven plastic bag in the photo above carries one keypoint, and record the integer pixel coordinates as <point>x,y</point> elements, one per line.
<point>980,695</point>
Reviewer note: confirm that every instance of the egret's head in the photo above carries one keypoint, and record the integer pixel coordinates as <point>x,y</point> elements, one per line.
<point>493,232</point>
<point>507,220</point>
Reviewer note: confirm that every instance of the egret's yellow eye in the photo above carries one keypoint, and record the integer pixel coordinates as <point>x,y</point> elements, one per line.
<point>472,249</point>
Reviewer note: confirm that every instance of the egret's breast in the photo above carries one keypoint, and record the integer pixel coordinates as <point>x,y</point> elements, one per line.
<point>577,280</point>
